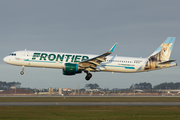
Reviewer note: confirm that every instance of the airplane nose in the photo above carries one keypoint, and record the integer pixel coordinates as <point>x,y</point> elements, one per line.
<point>8,60</point>
<point>5,59</point>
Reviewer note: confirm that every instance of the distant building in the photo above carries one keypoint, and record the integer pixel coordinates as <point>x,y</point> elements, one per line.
<point>50,90</point>
<point>1,90</point>
<point>92,90</point>
<point>60,91</point>
<point>67,89</point>
<point>139,91</point>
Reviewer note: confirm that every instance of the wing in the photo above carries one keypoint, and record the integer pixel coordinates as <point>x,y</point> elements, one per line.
<point>91,64</point>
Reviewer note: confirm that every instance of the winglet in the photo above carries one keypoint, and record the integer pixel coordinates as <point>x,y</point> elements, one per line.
<point>112,49</point>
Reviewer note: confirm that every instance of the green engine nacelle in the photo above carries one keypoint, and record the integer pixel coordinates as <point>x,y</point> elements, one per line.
<point>70,69</point>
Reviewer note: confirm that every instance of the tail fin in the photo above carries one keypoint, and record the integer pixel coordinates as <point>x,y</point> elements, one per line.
<point>164,50</point>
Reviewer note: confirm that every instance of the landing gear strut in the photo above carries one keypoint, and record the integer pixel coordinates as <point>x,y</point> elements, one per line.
<point>88,76</point>
<point>22,72</point>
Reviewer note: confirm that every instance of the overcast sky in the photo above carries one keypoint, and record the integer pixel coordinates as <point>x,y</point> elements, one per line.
<point>92,27</point>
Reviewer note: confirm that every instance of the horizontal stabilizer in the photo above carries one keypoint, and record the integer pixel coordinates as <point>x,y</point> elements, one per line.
<point>169,61</point>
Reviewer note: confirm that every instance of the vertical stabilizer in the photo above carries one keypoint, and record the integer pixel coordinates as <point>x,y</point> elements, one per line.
<point>164,50</point>
<point>160,57</point>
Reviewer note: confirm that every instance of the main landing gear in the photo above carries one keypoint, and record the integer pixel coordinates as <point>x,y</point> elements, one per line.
<point>22,72</point>
<point>88,76</point>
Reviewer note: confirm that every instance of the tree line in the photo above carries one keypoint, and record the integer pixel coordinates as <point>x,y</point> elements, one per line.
<point>166,85</point>
<point>7,85</point>
<point>143,86</point>
<point>162,86</point>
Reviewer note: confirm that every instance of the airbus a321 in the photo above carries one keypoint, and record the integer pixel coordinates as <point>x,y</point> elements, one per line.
<point>72,64</point>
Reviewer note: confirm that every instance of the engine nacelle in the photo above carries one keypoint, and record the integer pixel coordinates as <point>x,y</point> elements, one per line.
<point>70,69</point>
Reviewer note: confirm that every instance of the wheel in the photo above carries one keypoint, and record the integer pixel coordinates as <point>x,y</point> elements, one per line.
<point>22,72</point>
<point>88,76</point>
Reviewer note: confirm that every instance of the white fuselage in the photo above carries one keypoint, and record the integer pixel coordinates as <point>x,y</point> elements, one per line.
<point>72,64</point>
<point>57,60</point>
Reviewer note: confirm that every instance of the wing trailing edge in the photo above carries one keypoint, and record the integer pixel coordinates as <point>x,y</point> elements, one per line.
<point>94,62</point>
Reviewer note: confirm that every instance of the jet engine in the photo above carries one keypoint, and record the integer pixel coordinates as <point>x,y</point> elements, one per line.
<point>70,69</point>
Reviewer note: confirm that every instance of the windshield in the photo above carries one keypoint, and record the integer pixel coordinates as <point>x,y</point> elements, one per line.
<point>12,54</point>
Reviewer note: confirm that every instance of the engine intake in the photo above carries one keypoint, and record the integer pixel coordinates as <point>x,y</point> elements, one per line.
<point>70,69</point>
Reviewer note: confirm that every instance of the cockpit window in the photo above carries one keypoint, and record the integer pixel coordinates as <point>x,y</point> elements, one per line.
<point>13,54</point>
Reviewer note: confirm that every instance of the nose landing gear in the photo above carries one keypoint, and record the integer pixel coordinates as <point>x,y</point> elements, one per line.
<point>22,72</point>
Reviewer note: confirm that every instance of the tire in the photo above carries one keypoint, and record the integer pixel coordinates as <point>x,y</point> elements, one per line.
<point>22,73</point>
<point>88,76</point>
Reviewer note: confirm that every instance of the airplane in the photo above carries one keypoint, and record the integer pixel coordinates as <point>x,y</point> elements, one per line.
<point>72,64</point>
